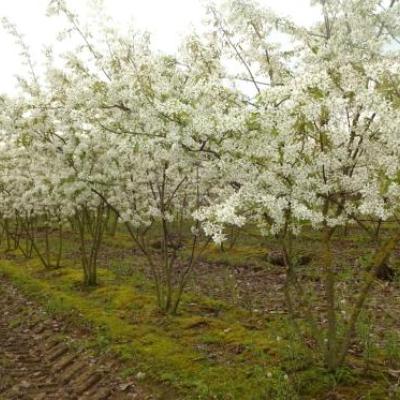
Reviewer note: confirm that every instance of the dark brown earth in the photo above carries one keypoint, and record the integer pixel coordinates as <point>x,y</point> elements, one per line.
<point>37,364</point>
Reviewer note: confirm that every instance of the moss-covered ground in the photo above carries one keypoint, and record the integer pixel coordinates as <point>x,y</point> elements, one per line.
<point>222,344</point>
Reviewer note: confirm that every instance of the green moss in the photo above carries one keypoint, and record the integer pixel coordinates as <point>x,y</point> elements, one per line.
<point>208,351</point>
<point>167,348</point>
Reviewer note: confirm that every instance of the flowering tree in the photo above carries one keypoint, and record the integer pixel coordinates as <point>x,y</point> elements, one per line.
<point>322,132</point>
<point>143,136</point>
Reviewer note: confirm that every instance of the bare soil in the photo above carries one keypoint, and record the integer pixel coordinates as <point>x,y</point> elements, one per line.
<point>37,363</point>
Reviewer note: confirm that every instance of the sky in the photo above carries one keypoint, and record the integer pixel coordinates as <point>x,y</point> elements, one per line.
<point>167,20</point>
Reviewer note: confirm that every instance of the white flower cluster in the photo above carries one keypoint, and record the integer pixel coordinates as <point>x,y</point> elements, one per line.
<point>315,140</point>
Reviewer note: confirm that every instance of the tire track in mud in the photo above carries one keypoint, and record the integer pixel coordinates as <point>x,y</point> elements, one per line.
<point>35,365</point>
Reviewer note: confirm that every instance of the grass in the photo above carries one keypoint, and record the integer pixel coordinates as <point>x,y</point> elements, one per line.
<point>213,349</point>
<point>185,351</point>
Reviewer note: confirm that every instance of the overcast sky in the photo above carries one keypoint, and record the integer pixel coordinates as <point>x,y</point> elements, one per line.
<point>167,20</point>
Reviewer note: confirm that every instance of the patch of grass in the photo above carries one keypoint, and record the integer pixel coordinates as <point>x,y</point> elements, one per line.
<point>168,349</point>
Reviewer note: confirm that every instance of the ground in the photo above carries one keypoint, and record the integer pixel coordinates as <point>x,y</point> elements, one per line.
<point>38,360</point>
<point>232,338</point>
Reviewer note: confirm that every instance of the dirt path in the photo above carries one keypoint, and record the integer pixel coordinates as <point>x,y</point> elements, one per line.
<point>36,366</point>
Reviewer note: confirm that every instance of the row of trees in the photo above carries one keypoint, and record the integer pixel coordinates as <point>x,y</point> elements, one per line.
<point>258,120</point>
